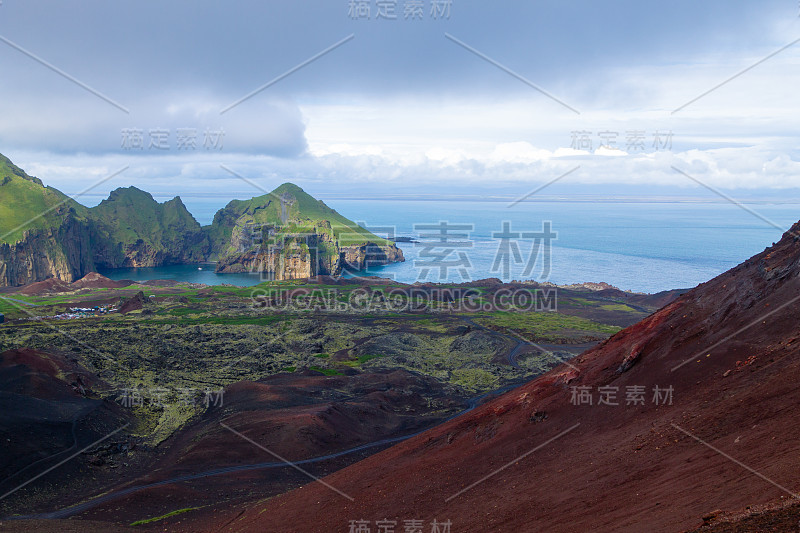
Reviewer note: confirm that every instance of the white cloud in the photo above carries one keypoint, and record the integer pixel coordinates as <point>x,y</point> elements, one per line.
<point>605,151</point>
<point>739,136</point>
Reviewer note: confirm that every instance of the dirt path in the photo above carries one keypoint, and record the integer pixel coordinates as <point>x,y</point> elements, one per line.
<point>18,301</point>
<point>472,403</point>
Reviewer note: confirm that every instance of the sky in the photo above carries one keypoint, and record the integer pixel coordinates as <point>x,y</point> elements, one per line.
<point>411,98</point>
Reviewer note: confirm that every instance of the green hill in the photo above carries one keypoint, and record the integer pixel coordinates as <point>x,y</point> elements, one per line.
<point>135,230</point>
<point>288,207</point>
<point>26,204</point>
<point>287,234</point>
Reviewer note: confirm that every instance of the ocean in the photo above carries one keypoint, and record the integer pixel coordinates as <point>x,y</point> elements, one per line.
<point>637,246</point>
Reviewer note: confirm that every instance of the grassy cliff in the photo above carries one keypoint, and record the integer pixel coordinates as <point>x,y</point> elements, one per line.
<point>26,204</point>
<point>291,208</point>
<point>135,230</point>
<point>287,234</point>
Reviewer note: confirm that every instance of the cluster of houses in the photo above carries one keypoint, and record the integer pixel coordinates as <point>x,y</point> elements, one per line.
<point>78,312</point>
<point>83,312</point>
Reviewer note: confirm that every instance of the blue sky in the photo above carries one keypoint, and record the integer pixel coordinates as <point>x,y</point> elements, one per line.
<point>399,107</point>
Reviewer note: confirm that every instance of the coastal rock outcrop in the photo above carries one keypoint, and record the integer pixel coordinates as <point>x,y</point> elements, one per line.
<point>285,234</point>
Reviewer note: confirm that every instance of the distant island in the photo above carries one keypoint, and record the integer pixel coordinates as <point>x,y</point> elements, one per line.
<point>285,234</point>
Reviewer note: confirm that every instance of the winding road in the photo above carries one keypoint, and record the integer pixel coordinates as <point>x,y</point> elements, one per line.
<point>512,354</point>
<point>472,403</point>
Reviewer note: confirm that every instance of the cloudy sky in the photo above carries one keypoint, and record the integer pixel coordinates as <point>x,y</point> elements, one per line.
<point>466,97</point>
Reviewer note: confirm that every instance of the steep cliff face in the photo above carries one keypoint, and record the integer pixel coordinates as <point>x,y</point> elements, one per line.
<point>63,253</point>
<point>307,255</point>
<point>271,266</point>
<point>43,233</point>
<point>287,234</point>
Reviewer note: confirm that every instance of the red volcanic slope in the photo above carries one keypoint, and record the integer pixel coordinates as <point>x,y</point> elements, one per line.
<point>299,416</point>
<point>46,409</point>
<point>729,348</point>
<point>47,286</point>
<point>296,416</point>
<point>92,280</point>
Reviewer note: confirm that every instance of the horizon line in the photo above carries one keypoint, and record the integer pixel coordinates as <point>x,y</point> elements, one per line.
<point>482,198</point>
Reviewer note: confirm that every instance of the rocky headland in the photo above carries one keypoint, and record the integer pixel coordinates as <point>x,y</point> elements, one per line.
<point>285,234</point>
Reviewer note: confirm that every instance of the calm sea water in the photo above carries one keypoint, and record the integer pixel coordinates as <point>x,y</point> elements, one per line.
<point>203,273</point>
<point>645,247</point>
